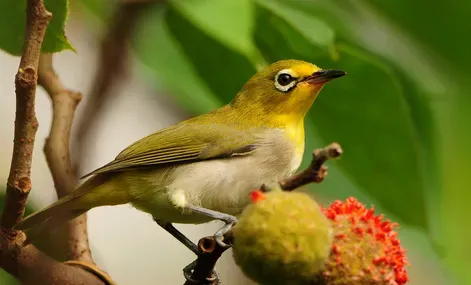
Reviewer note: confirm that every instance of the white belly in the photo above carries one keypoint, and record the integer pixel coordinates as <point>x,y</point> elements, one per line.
<point>222,185</point>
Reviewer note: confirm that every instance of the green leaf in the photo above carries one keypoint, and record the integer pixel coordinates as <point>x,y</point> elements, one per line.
<point>274,36</point>
<point>367,113</point>
<point>311,28</point>
<point>421,21</point>
<point>166,61</point>
<point>224,70</point>
<point>7,279</point>
<point>229,22</point>
<point>13,25</point>
<point>455,118</point>
<point>420,104</point>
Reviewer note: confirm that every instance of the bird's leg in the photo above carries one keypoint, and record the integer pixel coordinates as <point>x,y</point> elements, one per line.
<point>228,219</point>
<point>178,235</point>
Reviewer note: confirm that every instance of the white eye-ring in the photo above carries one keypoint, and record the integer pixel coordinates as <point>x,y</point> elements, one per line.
<point>285,80</point>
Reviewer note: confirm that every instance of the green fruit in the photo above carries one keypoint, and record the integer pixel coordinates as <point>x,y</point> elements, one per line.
<point>283,238</point>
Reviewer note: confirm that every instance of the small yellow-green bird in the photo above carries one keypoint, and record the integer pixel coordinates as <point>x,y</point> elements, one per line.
<point>204,168</point>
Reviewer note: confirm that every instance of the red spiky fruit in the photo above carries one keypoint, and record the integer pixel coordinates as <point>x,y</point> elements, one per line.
<point>366,249</point>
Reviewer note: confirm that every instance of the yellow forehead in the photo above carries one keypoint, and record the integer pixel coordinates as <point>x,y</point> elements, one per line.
<point>297,68</point>
<point>303,69</point>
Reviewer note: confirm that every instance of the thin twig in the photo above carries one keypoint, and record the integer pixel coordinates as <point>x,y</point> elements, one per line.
<point>56,149</point>
<point>316,172</point>
<point>210,250</point>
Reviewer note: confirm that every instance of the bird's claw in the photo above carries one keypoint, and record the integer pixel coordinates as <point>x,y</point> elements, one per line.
<point>229,220</point>
<point>221,243</point>
<point>188,270</point>
<point>219,235</point>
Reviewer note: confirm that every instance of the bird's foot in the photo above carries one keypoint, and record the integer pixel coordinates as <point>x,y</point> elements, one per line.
<point>188,270</point>
<point>219,235</point>
<point>228,219</point>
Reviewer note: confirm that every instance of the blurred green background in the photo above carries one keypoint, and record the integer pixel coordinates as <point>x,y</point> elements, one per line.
<point>402,114</point>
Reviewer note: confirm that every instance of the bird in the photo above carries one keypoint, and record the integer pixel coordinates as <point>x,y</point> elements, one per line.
<point>204,168</point>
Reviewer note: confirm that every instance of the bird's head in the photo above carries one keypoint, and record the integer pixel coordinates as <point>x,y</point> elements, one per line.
<point>284,90</point>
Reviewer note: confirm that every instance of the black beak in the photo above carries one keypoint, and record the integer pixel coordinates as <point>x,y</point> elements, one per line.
<point>324,76</point>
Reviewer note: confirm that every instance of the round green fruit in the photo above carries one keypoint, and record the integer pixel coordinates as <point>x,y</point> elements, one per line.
<point>282,238</point>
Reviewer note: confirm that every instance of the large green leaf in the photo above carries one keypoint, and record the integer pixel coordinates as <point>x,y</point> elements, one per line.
<point>223,69</point>
<point>368,114</point>
<point>13,23</point>
<point>439,26</point>
<point>281,14</point>
<point>271,34</point>
<point>420,105</point>
<point>218,19</point>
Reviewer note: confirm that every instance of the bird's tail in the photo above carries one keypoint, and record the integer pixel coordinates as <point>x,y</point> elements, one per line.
<point>68,207</point>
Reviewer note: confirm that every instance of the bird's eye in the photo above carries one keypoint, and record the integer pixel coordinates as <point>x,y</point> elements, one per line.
<point>284,79</point>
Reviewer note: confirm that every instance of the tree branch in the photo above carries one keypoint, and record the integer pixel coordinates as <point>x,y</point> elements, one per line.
<point>31,266</point>
<point>26,124</point>
<point>210,250</point>
<point>24,261</point>
<point>56,149</point>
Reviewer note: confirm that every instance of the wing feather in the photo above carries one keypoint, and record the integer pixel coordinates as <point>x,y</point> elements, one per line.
<point>183,143</point>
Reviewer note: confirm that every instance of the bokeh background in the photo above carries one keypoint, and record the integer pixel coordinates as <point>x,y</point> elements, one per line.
<point>402,114</point>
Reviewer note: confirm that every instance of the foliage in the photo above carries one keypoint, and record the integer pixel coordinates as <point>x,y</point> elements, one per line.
<point>13,23</point>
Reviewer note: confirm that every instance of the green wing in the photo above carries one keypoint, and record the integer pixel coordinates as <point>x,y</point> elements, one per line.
<point>183,143</point>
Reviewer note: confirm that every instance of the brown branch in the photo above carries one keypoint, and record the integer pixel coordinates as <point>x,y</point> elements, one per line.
<point>26,124</point>
<point>210,250</point>
<point>316,172</point>
<point>56,149</point>
<point>26,262</point>
<point>31,266</point>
